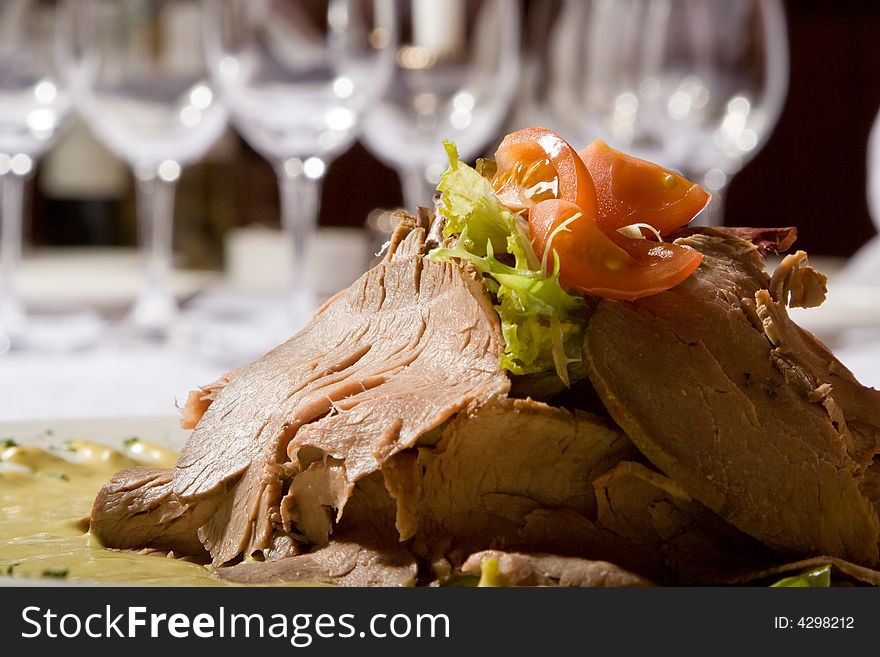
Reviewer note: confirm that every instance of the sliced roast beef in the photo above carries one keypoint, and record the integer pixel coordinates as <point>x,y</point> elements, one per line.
<point>518,569</point>
<point>379,444</point>
<point>395,355</point>
<point>341,563</point>
<point>197,401</point>
<point>496,476</point>
<point>501,468</point>
<point>365,550</point>
<point>748,413</point>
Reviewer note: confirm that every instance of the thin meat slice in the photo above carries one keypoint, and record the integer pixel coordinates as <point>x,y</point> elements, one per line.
<point>654,513</point>
<point>493,475</point>
<point>524,569</point>
<point>342,563</point>
<point>748,413</point>
<point>197,401</point>
<point>497,468</point>
<point>841,571</point>
<point>365,550</point>
<point>810,368</point>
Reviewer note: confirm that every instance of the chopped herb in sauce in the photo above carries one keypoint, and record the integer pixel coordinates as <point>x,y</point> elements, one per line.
<point>128,442</point>
<point>8,442</point>
<point>55,475</point>
<point>59,573</point>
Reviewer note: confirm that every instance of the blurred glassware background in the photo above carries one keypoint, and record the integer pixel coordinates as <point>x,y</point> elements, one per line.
<point>455,74</point>
<point>695,85</point>
<point>297,77</point>
<point>863,268</point>
<point>139,79</point>
<point>35,108</point>
<point>834,91</point>
<point>227,236</point>
<point>531,106</point>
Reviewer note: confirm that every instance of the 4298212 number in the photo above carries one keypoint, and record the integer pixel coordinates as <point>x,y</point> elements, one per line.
<point>814,623</point>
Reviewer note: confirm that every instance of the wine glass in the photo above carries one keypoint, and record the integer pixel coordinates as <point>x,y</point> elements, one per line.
<point>296,76</point>
<point>35,108</point>
<point>695,85</point>
<point>455,75</point>
<point>141,84</point>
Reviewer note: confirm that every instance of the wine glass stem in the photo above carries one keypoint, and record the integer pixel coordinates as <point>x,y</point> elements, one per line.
<point>417,190</point>
<point>155,308</point>
<point>300,202</point>
<point>12,190</point>
<point>714,214</point>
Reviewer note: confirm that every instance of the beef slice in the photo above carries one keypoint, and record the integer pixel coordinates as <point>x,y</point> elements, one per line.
<point>749,414</point>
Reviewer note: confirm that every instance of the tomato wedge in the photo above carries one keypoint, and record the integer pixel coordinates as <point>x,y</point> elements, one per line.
<point>536,164</point>
<point>631,190</point>
<point>591,261</point>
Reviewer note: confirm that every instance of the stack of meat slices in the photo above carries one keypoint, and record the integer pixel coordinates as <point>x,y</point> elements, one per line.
<point>381,445</point>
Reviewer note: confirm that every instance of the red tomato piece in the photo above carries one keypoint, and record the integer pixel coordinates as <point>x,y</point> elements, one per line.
<point>535,165</point>
<point>591,261</point>
<point>630,190</point>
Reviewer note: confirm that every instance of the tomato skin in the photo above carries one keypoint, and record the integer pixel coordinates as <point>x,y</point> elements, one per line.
<point>631,190</point>
<point>556,164</point>
<point>591,261</point>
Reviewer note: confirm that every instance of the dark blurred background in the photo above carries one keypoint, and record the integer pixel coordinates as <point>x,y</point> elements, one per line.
<point>811,173</point>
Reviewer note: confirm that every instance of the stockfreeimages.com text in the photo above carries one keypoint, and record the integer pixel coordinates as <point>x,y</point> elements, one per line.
<point>299,629</point>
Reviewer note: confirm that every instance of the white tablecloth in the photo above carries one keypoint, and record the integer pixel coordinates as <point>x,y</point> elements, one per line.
<point>115,380</point>
<point>119,381</point>
<point>149,381</point>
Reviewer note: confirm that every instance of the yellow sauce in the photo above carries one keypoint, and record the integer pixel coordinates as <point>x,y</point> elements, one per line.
<point>45,499</point>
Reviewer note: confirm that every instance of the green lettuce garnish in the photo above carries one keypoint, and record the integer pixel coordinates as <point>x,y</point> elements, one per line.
<point>816,578</point>
<point>490,573</point>
<point>542,324</point>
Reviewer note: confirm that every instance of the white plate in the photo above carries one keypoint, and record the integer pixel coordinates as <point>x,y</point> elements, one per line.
<point>109,431</point>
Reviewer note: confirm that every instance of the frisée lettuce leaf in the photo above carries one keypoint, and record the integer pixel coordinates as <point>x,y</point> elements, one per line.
<point>815,578</point>
<point>542,324</point>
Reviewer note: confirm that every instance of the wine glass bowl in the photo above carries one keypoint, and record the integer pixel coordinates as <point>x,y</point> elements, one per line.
<point>141,81</point>
<point>295,80</point>
<point>694,85</point>
<point>455,74</point>
<point>34,104</point>
<point>171,120</point>
<point>142,86</point>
